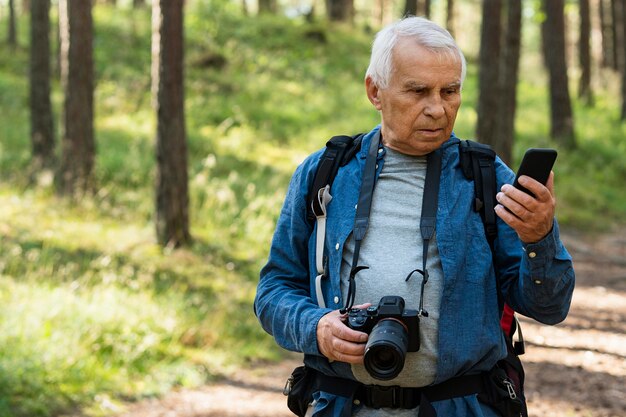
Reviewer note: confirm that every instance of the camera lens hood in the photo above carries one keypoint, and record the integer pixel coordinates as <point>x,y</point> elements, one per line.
<point>385,351</point>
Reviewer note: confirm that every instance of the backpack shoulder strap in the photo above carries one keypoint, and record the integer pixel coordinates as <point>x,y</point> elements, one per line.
<point>339,151</point>
<point>478,164</point>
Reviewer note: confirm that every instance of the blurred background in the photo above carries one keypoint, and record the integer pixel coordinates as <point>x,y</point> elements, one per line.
<point>146,147</point>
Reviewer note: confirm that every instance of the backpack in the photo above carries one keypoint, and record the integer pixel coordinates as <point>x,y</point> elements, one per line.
<point>478,164</point>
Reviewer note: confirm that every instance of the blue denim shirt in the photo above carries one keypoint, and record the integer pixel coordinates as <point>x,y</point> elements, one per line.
<point>537,280</point>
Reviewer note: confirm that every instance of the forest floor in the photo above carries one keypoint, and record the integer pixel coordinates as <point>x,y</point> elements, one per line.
<point>577,368</point>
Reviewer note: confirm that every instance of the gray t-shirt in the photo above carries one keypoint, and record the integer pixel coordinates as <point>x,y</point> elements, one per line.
<point>392,248</point>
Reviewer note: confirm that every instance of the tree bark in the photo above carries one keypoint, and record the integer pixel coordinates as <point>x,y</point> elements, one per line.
<point>615,34</point>
<point>489,58</point>
<point>584,53</point>
<point>427,9</point>
<point>41,119</point>
<point>340,10</point>
<point>509,67</point>
<point>410,8</point>
<point>75,176</point>
<point>622,49</point>
<point>553,30</point>
<point>12,35</point>
<point>172,200</point>
<point>450,17</point>
<point>267,6</point>
<point>606,33</point>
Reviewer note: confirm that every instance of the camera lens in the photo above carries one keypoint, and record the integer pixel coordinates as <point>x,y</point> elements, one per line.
<point>386,348</point>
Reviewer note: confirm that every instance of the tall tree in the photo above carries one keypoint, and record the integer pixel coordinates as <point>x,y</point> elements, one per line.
<point>489,58</point>
<point>12,36</point>
<point>606,33</point>
<point>553,31</point>
<point>504,137</point>
<point>267,6</point>
<point>427,8</point>
<point>340,10</point>
<point>75,175</point>
<point>410,8</point>
<point>172,196</point>
<point>450,16</point>
<point>584,53</point>
<point>616,32</point>
<point>41,120</point>
<point>623,59</point>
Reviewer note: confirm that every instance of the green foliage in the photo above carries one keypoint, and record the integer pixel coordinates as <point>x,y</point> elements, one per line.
<point>92,310</point>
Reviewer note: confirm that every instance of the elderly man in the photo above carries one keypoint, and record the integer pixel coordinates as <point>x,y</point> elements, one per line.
<point>450,286</point>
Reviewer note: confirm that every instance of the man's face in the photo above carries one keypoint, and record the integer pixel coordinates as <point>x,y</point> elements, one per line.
<point>419,106</point>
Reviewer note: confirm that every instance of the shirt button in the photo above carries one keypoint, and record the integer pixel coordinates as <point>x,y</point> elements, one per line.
<point>532,255</point>
<point>356,402</point>
<point>538,282</point>
<point>380,150</point>
<point>337,246</point>
<point>336,300</point>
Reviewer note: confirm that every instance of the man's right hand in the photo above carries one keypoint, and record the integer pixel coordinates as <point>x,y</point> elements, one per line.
<point>337,341</point>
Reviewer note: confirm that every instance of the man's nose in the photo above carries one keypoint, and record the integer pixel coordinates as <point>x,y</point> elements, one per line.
<point>434,107</point>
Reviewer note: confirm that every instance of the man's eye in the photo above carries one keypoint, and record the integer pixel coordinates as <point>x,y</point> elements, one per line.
<point>451,91</point>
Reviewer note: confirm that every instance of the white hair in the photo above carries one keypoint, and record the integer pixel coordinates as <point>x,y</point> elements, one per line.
<point>426,33</point>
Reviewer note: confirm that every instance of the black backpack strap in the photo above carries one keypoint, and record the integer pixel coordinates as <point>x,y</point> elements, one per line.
<point>339,150</point>
<point>478,164</point>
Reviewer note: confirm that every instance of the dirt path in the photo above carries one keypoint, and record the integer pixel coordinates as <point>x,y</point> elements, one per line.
<point>575,369</point>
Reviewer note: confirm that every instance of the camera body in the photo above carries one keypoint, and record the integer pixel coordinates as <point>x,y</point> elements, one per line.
<point>393,330</point>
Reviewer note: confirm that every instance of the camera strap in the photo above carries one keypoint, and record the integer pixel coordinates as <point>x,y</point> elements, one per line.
<point>361,222</point>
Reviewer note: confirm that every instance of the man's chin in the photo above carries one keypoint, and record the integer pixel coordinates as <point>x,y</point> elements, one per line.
<point>427,143</point>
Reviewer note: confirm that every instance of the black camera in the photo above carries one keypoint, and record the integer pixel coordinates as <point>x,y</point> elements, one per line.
<point>393,331</point>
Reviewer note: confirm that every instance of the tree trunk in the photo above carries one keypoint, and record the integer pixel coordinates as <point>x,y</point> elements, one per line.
<point>553,30</point>
<point>489,57</point>
<point>509,67</point>
<point>340,10</point>
<point>57,38</point>
<point>12,36</point>
<point>78,143</point>
<point>584,53</point>
<point>267,6</point>
<point>172,200</point>
<point>41,120</point>
<point>615,33</point>
<point>450,17</point>
<point>606,34</point>
<point>427,9</point>
<point>622,49</point>
<point>410,8</point>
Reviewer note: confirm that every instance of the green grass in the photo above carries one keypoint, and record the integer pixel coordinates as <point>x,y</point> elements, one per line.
<point>93,311</point>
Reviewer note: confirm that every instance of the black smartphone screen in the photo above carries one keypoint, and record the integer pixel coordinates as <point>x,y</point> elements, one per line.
<point>537,164</point>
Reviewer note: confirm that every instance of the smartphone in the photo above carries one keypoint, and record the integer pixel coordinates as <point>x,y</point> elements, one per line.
<point>537,164</point>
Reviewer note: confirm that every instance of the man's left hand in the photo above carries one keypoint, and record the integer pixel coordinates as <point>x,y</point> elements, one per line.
<point>531,217</point>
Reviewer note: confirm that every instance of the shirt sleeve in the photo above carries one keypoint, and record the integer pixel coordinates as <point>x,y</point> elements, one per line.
<point>283,303</point>
<point>536,280</point>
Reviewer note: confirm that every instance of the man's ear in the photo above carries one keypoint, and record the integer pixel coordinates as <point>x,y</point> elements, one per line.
<point>373,93</point>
